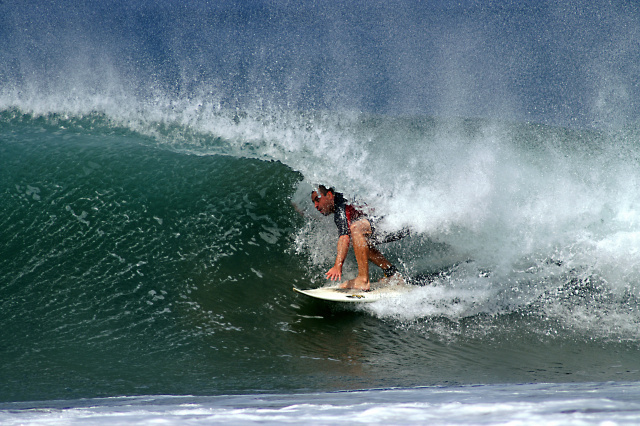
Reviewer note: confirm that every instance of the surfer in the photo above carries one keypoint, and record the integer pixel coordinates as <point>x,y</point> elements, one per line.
<point>354,225</point>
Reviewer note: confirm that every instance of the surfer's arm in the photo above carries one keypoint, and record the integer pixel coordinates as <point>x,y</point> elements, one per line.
<point>335,273</point>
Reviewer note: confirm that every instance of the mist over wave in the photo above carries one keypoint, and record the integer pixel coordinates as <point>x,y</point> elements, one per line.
<point>554,62</point>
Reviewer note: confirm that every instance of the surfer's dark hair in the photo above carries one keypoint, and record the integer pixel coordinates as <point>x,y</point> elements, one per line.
<point>323,189</point>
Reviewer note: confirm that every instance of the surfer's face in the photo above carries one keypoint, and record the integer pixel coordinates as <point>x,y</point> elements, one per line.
<point>323,203</point>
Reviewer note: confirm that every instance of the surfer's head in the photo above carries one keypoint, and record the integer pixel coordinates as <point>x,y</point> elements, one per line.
<point>323,200</point>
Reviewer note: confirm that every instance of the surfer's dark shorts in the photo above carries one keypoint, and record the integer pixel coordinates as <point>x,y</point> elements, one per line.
<point>379,237</point>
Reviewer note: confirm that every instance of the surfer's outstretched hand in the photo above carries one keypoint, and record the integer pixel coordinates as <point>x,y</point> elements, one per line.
<point>334,274</point>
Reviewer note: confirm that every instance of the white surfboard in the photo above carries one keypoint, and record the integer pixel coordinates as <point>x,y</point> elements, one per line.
<point>335,294</point>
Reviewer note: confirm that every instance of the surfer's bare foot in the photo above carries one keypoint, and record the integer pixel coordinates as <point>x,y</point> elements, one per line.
<point>357,283</point>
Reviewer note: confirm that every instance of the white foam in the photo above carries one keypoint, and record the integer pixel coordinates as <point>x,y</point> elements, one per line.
<point>533,404</point>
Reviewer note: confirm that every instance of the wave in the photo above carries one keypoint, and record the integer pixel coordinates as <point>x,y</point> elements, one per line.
<point>513,212</point>
<point>150,171</point>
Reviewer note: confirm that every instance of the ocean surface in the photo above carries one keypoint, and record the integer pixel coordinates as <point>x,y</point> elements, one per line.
<point>156,162</point>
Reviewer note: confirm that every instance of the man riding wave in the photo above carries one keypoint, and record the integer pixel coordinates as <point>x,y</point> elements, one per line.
<point>354,226</point>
